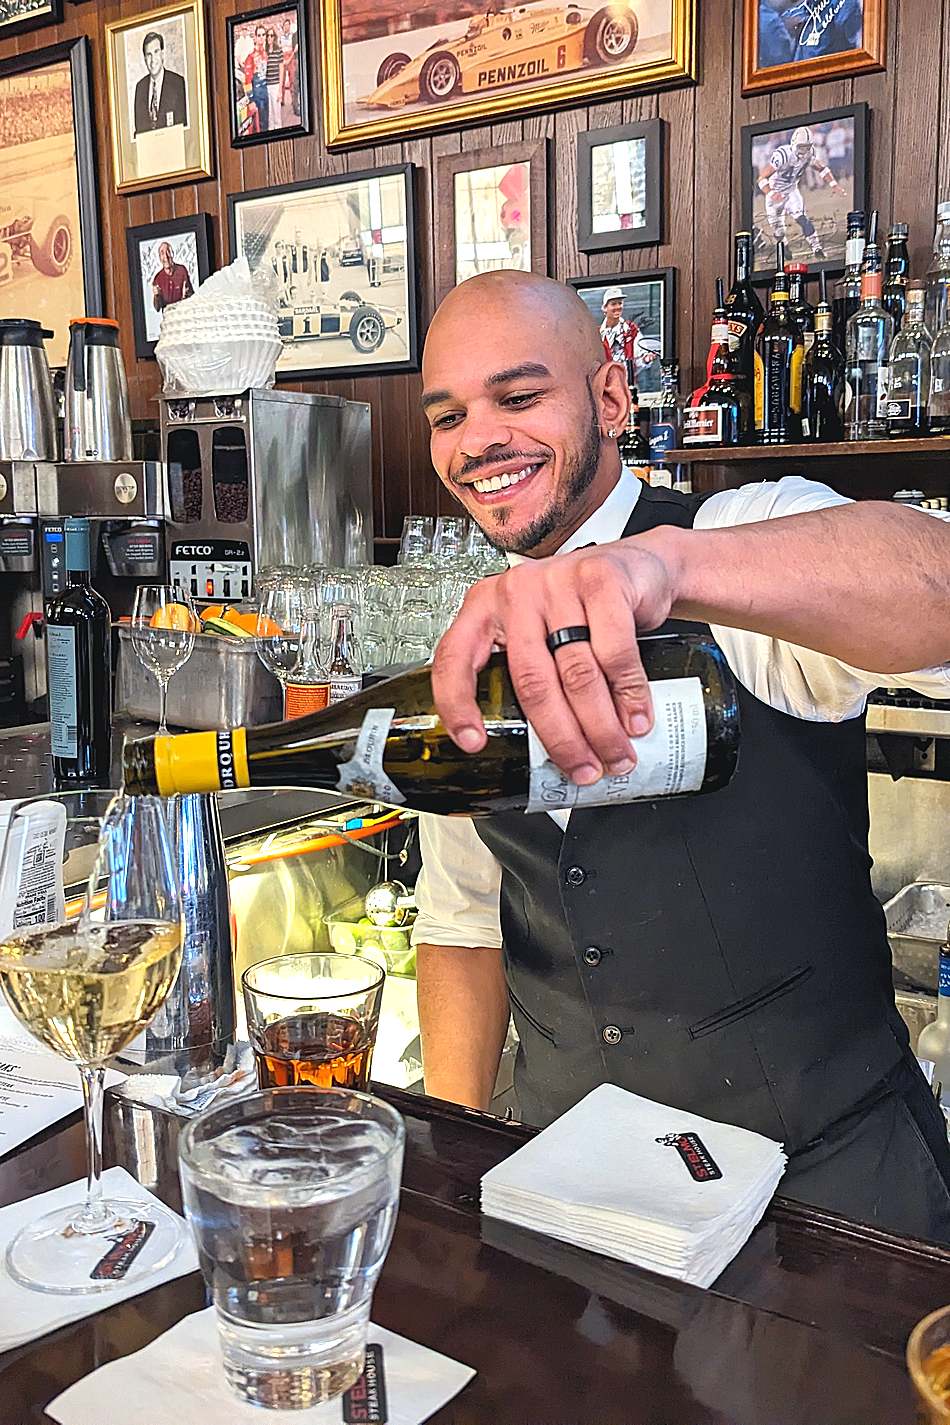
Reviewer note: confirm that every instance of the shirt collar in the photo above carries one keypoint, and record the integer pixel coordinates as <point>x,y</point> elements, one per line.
<point>608,521</point>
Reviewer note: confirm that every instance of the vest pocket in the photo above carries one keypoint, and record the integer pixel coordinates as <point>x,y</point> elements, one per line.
<point>535,1023</point>
<point>750,1003</point>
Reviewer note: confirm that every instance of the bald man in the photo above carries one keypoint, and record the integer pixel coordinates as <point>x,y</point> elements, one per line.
<point>722,954</point>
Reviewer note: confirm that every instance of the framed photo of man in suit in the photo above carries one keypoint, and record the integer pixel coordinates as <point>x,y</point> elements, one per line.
<point>158,97</point>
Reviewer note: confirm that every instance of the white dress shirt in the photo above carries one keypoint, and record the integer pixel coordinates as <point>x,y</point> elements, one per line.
<point>458,888</point>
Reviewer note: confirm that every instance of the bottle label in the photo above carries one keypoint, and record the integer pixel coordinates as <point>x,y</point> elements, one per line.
<point>720,333</point>
<point>943,980</point>
<point>809,340</point>
<point>883,385</point>
<point>900,408</point>
<point>662,438</point>
<point>758,375</point>
<point>796,366</point>
<point>702,425</point>
<point>344,687</point>
<point>854,251</point>
<point>364,775</point>
<point>737,331</point>
<point>670,759</point>
<point>661,477</point>
<point>303,698</point>
<point>63,699</point>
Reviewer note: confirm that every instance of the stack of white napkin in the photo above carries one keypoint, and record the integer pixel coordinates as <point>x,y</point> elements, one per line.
<point>642,1182</point>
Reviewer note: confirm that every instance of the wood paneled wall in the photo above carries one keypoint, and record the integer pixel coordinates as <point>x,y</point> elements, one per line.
<point>909,166</point>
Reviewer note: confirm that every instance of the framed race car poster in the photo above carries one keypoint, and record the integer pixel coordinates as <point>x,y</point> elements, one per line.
<point>50,258</point>
<point>391,67</point>
<point>342,251</point>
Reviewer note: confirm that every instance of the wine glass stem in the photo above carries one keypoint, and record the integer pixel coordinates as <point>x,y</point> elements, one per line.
<point>94,1216</point>
<point>162,699</point>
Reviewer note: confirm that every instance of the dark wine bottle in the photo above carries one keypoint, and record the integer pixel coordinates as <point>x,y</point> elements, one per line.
<point>822,417</point>
<point>779,359</point>
<point>387,744</point>
<point>744,307</point>
<point>79,671</point>
<point>800,309</point>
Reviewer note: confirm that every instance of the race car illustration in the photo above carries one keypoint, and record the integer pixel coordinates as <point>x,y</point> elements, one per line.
<point>366,325</point>
<point>506,47</point>
<point>34,223</point>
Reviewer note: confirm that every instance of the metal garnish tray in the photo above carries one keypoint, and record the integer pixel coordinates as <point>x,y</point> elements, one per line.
<point>224,684</point>
<point>917,919</point>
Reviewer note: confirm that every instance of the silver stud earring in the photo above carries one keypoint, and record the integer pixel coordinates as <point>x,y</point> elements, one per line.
<point>611,434</point>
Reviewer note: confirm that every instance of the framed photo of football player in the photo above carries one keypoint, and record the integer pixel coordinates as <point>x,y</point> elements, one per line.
<point>801,176</point>
<point>620,186</point>
<point>19,15</point>
<point>269,68</point>
<point>158,97</point>
<point>167,263</point>
<point>50,242</point>
<point>635,313</point>
<point>342,249</point>
<point>401,69</point>
<point>490,212</point>
<point>786,43</point>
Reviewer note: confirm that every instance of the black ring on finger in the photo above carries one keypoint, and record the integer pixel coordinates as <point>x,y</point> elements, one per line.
<point>576,633</point>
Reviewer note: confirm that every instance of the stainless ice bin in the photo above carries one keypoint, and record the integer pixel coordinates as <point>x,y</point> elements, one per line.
<point>917,920</point>
<point>223,684</point>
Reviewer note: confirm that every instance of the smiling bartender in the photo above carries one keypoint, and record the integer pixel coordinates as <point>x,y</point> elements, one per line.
<point>724,953</point>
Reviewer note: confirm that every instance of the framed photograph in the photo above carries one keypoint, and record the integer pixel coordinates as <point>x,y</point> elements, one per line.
<point>402,70</point>
<point>50,251</point>
<point>269,67</point>
<point>636,316</point>
<point>801,177</point>
<point>343,252</point>
<point>158,97</point>
<point>620,187</point>
<point>167,263</point>
<point>787,43</point>
<point>16,16</point>
<point>490,211</point>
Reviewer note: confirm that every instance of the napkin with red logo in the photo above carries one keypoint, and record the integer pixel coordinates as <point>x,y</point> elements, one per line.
<point>642,1182</point>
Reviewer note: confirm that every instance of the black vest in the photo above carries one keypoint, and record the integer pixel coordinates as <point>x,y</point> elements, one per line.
<point>721,953</point>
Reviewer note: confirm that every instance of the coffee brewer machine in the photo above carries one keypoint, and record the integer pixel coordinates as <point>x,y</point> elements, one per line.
<point>261,479</point>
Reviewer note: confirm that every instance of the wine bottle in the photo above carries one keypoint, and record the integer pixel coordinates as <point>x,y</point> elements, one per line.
<point>744,306</point>
<point>824,379</point>
<point>79,671</point>
<point>721,410</point>
<point>387,744</point>
<point>779,361</point>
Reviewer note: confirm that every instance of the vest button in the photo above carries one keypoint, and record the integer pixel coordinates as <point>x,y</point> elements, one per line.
<point>612,1035</point>
<point>593,956</point>
<point>575,875</point>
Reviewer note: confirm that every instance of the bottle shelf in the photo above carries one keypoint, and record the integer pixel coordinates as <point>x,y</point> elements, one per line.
<point>859,451</point>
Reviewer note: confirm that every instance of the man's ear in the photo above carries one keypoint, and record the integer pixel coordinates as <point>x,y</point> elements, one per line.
<point>612,397</point>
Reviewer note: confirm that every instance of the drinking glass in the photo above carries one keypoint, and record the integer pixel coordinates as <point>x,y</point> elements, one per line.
<point>416,540</point>
<point>928,1360</point>
<point>164,624</point>
<point>312,1019</point>
<point>85,987</point>
<point>451,537</point>
<point>283,611</point>
<point>292,1197</point>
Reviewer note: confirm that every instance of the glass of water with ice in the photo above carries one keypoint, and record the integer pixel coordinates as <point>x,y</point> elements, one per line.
<point>292,1197</point>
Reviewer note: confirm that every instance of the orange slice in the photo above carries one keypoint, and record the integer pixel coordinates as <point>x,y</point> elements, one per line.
<point>172,616</point>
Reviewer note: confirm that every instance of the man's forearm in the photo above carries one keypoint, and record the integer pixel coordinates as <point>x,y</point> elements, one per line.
<point>866,583</point>
<point>463,1016</point>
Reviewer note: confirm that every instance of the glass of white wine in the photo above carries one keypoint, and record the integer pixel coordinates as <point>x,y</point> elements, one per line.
<point>85,988</point>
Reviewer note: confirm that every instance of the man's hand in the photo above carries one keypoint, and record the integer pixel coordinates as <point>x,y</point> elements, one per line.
<point>588,699</point>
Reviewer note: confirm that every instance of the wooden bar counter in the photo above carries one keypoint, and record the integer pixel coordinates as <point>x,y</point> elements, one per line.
<point>806,1327</point>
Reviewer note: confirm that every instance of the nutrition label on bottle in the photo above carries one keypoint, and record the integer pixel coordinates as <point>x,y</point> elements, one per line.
<point>364,775</point>
<point>670,759</point>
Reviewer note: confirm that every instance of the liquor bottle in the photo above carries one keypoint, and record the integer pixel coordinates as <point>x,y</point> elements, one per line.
<point>933,1043</point>
<point>666,427</point>
<point>870,332</point>
<point>744,307</point>
<point>721,411</point>
<point>847,295</point>
<point>896,274</point>
<point>633,445</point>
<point>308,688</point>
<point>938,274</point>
<point>79,671</point>
<point>345,667</point>
<point>938,412</point>
<point>779,360</point>
<point>799,307</point>
<point>908,394</point>
<point>387,744</point>
<point>824,378</point>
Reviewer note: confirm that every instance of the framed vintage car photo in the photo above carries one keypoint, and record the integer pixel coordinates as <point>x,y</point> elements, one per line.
<point>342,250</point>
<point>635,313</point>
<point>787,43</point>
<point>801,176</point>
<point>50,258</point>
<point>167,263</point>
<point>490,212</point>
<point>397,71</point>
<point>620,187</point>
<point>158,97</point>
